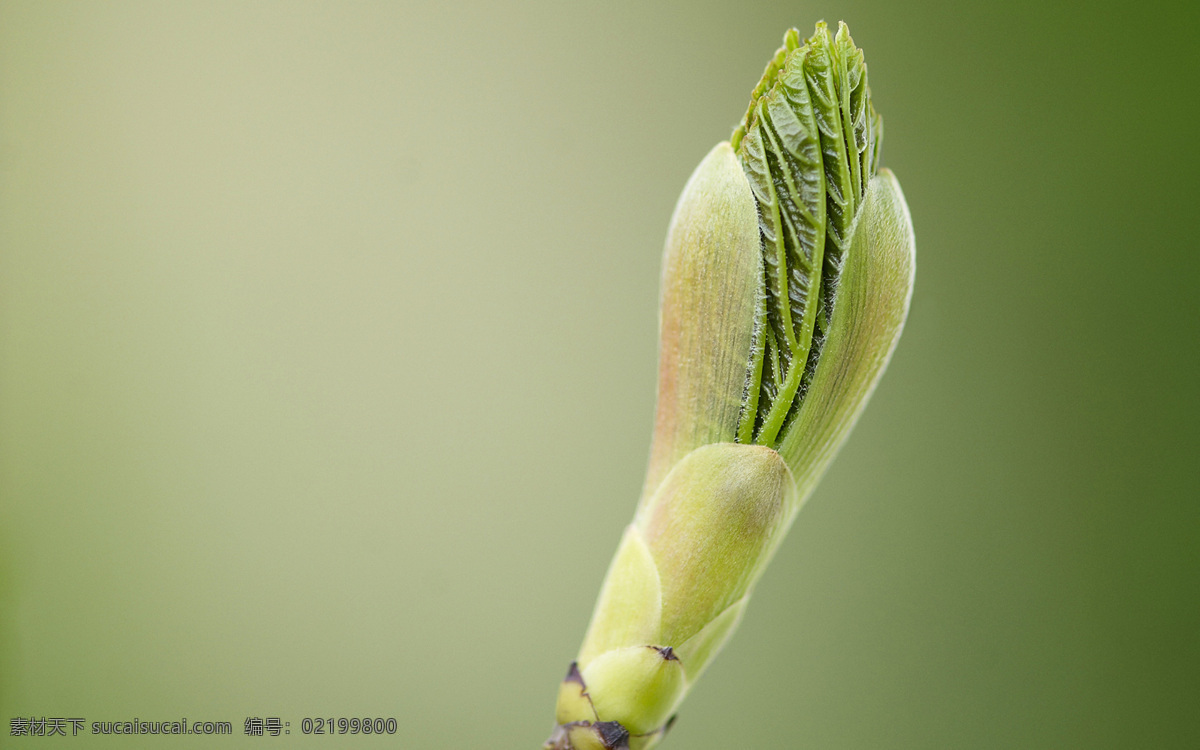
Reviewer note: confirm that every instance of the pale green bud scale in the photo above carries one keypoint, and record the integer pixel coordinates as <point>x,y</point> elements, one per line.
<point>875,290</point>
<point>706,317</point>
<point>638,686</point>
<point>629,609</point>
<point>709,528</point>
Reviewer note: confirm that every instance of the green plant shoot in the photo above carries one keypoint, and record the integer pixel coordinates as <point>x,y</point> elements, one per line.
<point>787,275</point>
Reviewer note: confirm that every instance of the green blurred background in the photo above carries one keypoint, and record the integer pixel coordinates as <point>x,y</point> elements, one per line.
<point>327,367</point>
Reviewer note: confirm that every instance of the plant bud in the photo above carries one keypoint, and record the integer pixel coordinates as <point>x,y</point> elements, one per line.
<point>787,276</point>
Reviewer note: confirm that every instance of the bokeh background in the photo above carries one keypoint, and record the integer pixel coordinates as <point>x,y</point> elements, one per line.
<point>327,366</point>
